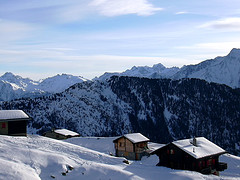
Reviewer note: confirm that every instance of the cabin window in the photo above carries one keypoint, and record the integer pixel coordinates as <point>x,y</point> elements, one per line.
<point>172,151</point>
<point>121,144</point>
<point>3,125</point>
<point>213,161</point>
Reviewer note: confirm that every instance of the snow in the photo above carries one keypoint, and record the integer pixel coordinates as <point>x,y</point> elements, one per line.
<point>36,157</point>
<point>66,132</point>
<point>156,71</point>
<point>14,86</point>
<point>222,70</point>
<point>13,114</point>
<point>204,147</point>
<point>136,137</point>
<point>154,146</point>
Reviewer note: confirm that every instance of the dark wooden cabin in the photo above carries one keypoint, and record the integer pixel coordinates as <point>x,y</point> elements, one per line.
<point>13,122</point>
<point>197,154</point>
<point>60,134</point>
<point>131,146</point>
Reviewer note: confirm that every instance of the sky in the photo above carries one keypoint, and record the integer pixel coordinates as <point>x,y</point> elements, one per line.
<point>43,38</point>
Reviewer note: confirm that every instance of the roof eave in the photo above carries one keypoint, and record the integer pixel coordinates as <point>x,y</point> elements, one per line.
<point>217,154</point>
<point>16,119</point>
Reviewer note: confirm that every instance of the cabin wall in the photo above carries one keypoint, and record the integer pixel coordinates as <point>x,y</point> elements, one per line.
<point>171,156</point>
<point>124,144</point>
<point>4,128</point>
<point>17,128</point>
<point>125,148</point>
<point>208,165</point>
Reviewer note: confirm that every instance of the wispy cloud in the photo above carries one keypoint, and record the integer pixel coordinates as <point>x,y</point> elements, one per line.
<point>63,11</point>
<point>181,12</point>
<point>124,7</point>
<point>232,23</point>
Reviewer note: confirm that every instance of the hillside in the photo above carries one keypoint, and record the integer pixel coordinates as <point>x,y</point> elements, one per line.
<point>161,109</point>
<point>36,157</point>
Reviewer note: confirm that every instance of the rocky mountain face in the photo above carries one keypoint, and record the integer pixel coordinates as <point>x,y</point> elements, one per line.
<point>14,86</point>
<point>222,70</point>
<point>161,109</point>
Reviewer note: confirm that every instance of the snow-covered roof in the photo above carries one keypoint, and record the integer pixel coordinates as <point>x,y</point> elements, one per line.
<point>66,132</point>
<point>13,114</point>
<point>203,148</point>
<point>135,137</point>
<point>154,146</point>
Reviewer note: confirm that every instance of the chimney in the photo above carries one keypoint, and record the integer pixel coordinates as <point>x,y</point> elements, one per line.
<point>194,141</point>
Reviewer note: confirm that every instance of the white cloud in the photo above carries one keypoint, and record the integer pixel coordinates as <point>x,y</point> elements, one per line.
<point>182,12</point>
<point>124,7</point>
<point>63,11</point>
<point>232,23</point>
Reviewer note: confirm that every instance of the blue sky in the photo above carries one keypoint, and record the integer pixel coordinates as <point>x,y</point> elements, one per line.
<point>89,37</point>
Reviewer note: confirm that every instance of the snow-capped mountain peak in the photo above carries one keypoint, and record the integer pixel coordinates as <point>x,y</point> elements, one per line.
<point>59,83</point>
<point>234,53</point>
<point>14,86</point>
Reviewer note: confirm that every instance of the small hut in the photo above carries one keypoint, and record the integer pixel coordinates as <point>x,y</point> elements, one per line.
<point>61,134</point>
<point>197,154</point>
<point>132,146</point>
<point>13,122</point>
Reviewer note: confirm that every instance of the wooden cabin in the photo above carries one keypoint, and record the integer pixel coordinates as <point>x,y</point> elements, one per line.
<point>197,154</point>
<point>13,122</point>
<point>61,134</point>
<point>131,146</point>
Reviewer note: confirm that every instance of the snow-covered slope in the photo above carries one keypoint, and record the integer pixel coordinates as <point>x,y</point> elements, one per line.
<point>14,86</point>
<point>59,83</point>
<point>36,157</point>
<point>223,70</point>
<point>157,71</point>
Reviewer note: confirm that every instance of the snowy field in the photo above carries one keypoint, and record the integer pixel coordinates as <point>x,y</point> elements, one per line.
<point>36,157</point>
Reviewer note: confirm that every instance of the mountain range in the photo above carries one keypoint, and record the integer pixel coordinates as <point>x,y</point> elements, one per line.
<point>222,70</point>
<point>14,86</point>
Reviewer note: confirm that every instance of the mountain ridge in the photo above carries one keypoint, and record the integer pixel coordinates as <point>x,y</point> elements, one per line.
<point>14,86</point>
<point>222,70</point>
